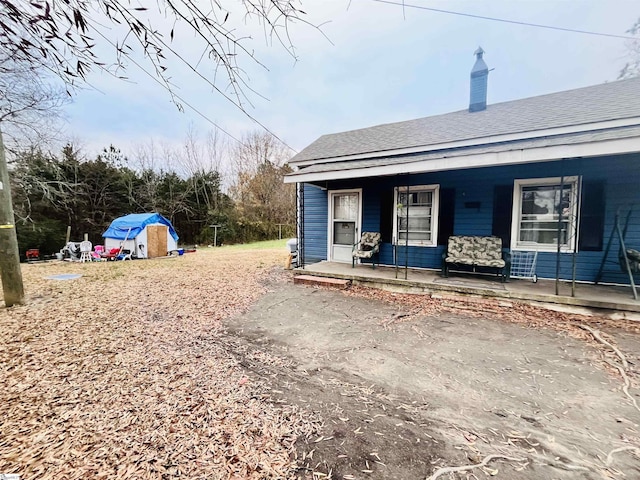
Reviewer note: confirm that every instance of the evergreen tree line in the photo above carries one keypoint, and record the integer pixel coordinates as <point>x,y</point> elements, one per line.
<point>195,186</point>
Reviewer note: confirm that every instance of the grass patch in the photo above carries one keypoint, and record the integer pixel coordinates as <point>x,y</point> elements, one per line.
<point>266,245</point>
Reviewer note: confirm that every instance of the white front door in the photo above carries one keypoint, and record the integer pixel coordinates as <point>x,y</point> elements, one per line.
<point>344,224</point>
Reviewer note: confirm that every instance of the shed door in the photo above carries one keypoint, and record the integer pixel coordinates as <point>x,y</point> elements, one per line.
<point>157,240</point>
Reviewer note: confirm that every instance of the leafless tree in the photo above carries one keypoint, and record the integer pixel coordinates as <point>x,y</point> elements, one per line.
<point>632,67</point>
<point>255,149</point>
<point>217,149</point>
<point>61,35</point>
<point>202,165</point>
<point>30,104</point>
<point>149,161</point>
<point>258,190</point>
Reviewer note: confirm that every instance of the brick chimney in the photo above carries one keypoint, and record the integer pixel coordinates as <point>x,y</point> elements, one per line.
<point>479,75</point>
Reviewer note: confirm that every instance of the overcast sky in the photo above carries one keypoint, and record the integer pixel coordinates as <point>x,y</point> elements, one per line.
<point>382,64</point>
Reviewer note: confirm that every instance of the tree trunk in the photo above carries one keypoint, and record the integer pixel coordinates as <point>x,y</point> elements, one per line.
<point>9,255</point>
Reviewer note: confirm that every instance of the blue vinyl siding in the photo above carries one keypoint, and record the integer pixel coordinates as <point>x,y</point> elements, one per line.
<point>622,189</point>
<point>315,224</point>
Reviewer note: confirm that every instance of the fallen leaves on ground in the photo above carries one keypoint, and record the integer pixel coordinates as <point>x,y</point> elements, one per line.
<point>412,306</point>
<point>120,374</point>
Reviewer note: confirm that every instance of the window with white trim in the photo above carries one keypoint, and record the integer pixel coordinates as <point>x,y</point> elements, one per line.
<point>416,215</point>
<point>543,209</point>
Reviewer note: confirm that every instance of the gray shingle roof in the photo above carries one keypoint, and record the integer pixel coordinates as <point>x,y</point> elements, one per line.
<point>566,139</point>
<point>608,101</point>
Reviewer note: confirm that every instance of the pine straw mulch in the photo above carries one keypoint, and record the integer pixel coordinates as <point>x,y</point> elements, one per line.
<point>120,374</point>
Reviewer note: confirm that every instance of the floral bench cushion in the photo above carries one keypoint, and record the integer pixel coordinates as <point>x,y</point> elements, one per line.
<point>368,245</point>
<point>472,250</point>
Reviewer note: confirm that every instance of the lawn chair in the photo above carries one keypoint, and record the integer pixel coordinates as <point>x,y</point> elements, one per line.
<point>367,247</point>
<point>85,251</point>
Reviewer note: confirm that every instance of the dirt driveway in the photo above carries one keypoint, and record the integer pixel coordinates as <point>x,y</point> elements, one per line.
<point>407,385</point>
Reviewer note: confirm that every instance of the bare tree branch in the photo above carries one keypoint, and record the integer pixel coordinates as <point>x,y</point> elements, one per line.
<point>59,35</point>
<point>29,104</point>
<point>632,67</point>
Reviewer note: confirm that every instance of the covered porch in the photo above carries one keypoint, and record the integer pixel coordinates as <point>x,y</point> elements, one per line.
<point>610,300</point>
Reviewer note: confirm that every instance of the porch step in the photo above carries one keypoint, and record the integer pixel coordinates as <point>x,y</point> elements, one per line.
<point>321,281</point>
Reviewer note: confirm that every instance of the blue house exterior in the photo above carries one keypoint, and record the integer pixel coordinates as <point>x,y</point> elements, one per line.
<point>546,174</point>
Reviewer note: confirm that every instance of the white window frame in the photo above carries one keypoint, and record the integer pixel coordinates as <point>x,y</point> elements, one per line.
<point>435,211</point>
<point>572,233</point>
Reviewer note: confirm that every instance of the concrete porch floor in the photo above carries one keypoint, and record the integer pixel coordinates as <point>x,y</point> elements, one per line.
<point>615,301</point>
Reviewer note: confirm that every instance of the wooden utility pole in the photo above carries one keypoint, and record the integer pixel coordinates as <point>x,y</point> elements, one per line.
<point>10,272</point>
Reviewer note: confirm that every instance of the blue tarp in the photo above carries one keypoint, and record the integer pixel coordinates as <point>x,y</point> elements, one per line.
<point>136,222</point>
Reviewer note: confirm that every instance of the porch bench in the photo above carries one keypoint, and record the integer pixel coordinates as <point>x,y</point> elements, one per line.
<point>476,251</point>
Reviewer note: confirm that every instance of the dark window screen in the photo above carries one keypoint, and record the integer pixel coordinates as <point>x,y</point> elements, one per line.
<point>502,209</point>
<point>446,215</point>
<point>592,216</point>
<point>386,215</point>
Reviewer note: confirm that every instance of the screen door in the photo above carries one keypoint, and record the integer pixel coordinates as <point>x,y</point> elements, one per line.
<point>345,224</point>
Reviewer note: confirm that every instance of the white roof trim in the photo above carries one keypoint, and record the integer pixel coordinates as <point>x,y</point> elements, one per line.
<point>587,127</point>
<point>511,157</point>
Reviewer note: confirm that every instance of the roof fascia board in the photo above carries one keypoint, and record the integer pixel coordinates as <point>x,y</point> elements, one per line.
<point>492,159</point>
<point>583,128</point>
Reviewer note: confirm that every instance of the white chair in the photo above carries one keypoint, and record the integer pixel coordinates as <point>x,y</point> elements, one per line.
<point>85,251</point>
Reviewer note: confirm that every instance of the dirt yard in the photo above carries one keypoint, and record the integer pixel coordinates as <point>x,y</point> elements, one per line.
<point>214,365</point>
<point>406,384</point>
